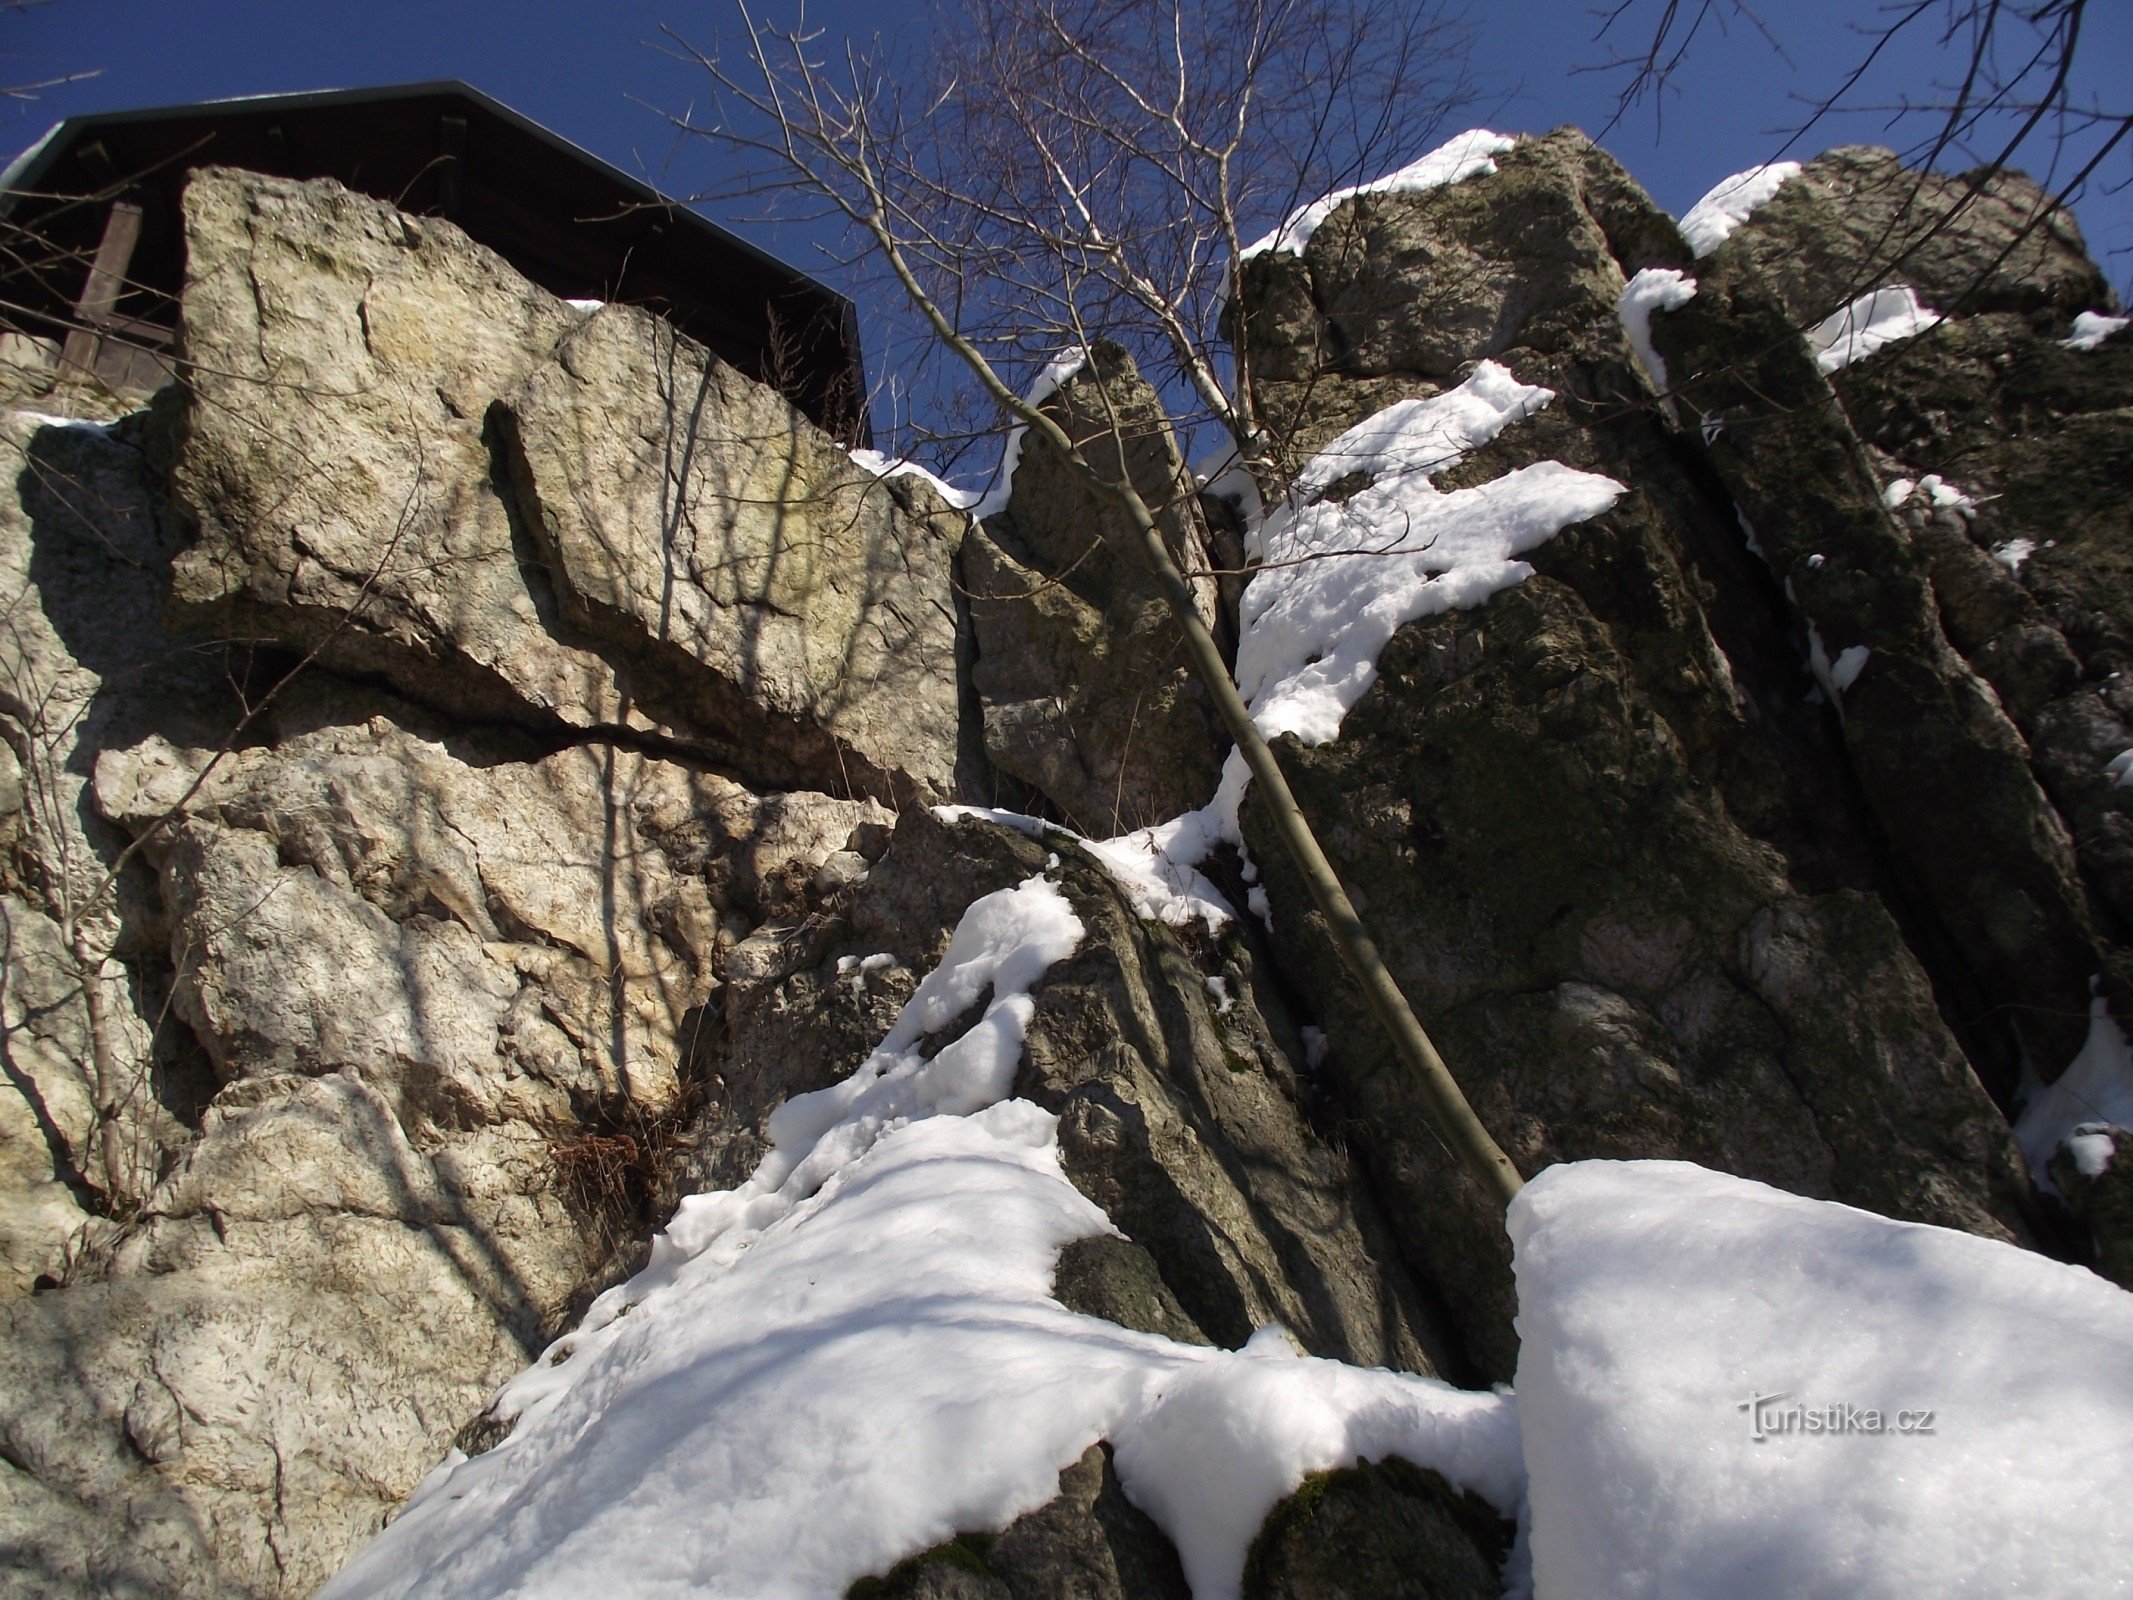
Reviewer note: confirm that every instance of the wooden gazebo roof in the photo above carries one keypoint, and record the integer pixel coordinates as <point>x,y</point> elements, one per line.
<point>99,194</point>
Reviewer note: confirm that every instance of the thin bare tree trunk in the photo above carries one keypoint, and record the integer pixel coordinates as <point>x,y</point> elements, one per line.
<point>1455,1117</point>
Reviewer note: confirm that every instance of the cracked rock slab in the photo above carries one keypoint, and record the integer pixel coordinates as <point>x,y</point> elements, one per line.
<point>400,452</point>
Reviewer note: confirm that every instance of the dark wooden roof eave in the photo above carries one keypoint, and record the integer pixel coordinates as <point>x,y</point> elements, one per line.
<point>673,256</point>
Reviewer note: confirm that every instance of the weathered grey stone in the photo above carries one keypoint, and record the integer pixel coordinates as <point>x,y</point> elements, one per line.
<point>1856,219</point>
<point>763,591</point>
<point>440,978</point>
<point>1088,1544</point>
<point>665,547</point>
<point>1081,671</point>
<point>1385,1530</point>
<point>84,660</point>
<point>1942,765</point>
<point>1613,967</point>
<point>1396,293</point>
<point>1610,853</point>
<point>2033,435</point>
<point>1117,1280</point>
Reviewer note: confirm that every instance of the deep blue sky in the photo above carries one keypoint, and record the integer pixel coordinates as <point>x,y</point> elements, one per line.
<point>592,72</point>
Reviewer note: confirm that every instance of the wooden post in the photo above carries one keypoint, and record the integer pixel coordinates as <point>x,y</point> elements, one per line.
<point>97,308</point>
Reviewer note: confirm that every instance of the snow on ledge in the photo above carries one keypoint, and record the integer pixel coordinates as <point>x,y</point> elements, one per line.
<point>1701,1356</point>
<point>988,502</point>
<point>2091,328</point>
<point>1866,325</point>
<point>886,466</point>
<point>1156,867</point>
<point>1707,224</point>
<point>1653,289</point>
<point>1062,367</point>
<point>1340,574</point>
<point>1469,155</point>
<point>1340,577</point>
<point>856,1355</point>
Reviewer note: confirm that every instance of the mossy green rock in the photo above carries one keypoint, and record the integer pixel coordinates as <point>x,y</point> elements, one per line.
<point>1384,1530</point>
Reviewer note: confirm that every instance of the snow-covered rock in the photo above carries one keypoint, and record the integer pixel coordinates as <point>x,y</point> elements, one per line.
<point>1731,1391</point>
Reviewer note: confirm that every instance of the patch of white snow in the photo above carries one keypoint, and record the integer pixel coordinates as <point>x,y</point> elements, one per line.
<point>2091,328</point>
<point>885,466</point>
<point>1223,475</point>
<point>1157,867</point>
<point>854,969</point>
<point>1710,220</point>
<point>1866,325</point>
<point>1228,1439</point>
<point>2097,1086</point>
<point>1339,578</point>
<point>1729,1391</point>
<point>2013,553</point>
<point>2093,1145</point>
<point>1653,289</point>
<point>1845,670</point>
<point>1469,155</point>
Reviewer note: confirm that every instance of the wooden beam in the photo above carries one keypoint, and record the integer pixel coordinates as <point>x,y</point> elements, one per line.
<point>98,305</point>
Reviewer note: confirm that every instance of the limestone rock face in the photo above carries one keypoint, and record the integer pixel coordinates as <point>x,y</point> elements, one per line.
<point>402,454</point>
<point>438,982</point>
<point>761,591</point>
<point>84,560</point>
<point>345,1033</point>
<point>1082,673</point>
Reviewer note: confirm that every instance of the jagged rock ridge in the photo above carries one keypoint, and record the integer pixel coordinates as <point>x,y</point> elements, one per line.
<point>429,980</point>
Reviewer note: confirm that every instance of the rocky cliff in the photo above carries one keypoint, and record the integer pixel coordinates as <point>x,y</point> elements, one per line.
<point>471,759</point>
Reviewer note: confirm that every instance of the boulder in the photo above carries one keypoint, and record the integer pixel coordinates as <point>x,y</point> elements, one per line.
<point>1383,1530</point>
<point>1089,1544</point>
<point>400,454</point>
<point>1855,219</point>
<point>1087,694</point>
